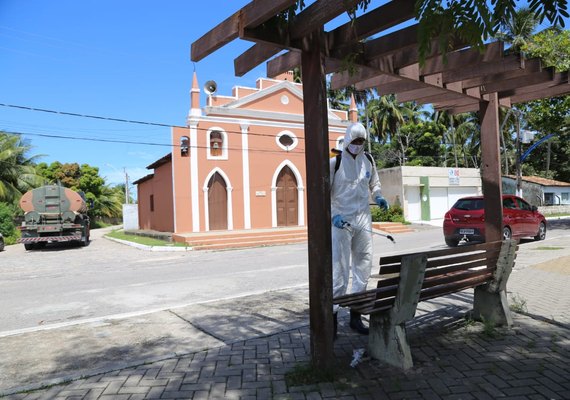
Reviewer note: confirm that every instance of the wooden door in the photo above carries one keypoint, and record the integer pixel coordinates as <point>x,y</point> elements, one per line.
<point>217,203</point>
<point>287,198</point>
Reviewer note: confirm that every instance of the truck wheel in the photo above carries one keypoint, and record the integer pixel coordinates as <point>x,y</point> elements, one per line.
<point>29,246</point>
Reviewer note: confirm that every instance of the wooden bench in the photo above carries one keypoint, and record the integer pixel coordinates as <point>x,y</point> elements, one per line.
<point>406,279</point>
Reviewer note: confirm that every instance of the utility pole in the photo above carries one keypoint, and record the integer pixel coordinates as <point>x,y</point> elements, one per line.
<point>126,185</point>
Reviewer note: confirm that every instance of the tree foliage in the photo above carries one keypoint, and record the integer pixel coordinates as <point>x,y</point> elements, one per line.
<point>552,46</point>
<point>17,168</point>
<point>84,178</point>
<point>474,22</point>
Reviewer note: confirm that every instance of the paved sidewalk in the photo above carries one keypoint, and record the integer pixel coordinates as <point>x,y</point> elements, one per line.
<point>241,349</point>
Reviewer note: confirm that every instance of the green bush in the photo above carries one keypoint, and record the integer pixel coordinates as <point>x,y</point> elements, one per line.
<point>394,214</point>
<point>7,226</point>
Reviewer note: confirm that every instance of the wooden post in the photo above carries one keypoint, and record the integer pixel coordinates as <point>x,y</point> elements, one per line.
<point>318,201</point>
<point>491,168</point>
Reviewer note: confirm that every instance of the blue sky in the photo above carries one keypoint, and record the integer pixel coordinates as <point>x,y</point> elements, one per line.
<point>121,59</point>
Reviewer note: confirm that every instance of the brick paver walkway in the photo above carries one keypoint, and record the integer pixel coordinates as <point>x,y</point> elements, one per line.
<point>454,359</point>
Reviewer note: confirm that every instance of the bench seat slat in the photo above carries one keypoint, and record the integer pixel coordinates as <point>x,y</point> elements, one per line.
<point>443,252</point>
<point>437,271</point>
<point>454,287</point>
<point>434,263</point>
<point>458,276</point>
<point>438,262</point>
<point>369,295</point>
<point>430,293</point>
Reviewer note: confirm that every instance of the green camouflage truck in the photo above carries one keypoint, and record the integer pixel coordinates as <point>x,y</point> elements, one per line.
<point>53,214</point>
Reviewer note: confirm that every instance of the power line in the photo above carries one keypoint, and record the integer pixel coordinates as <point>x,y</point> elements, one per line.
<point>299,151</point>
<point>128,121</point>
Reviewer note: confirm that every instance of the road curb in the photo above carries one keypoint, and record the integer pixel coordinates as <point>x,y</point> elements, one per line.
<point>148,248</point>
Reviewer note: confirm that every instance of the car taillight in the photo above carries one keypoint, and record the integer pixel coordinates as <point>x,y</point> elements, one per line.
<point>447,216</point>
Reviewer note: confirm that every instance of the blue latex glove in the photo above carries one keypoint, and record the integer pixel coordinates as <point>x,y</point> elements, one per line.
<point>338,222</point>
<point>381,202</point>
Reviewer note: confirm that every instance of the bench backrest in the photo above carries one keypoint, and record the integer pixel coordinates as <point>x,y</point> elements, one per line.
<point>447,271</point>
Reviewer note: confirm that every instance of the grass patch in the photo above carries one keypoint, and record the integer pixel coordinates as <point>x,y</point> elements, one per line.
<point>147,241</point>
<point>489,329</point>
<point>556,215</point>
<point>308,374</point>
<point>549,248</point>
<point>518,304</point>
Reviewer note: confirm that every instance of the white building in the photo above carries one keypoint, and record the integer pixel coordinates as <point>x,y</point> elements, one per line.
<point>539,191</point>
<point>427,193</point>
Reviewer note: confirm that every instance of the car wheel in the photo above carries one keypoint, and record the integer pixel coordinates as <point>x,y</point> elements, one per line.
<point>451,242</point>
<point>541,235</point>
<point>507,234</point>
<point>29,246</point>
<point>1,244</point>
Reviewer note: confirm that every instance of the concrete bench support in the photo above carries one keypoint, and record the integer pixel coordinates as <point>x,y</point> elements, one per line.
<point>490,301</point>
<point>388,341</point>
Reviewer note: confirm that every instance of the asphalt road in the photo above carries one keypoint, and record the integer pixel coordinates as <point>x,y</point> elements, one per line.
<point>61,285</point>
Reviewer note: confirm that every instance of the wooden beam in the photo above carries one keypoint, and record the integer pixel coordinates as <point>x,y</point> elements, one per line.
<point>447,101</point>
<point>531,66</point>
<point>398,86</point>
<point>460,110</point>
<point>375,81</point>
<point>386,64</point>
<point>442,96</point>
<point>221,35</point>
<point>318,203</point>
<point>509,63</point>
<point>461,59</point>
<point>389,44</point>
<point>524,80</point>
<point>411,95</point>
<point>363,78</point>
<point>377,20</point>
<point>474,107</point>
<point>271,37</point>
<point>250,16</point>
<point>254,56</point>
<point>371,23</point>
<point>559,78</point>
<point>554,91</point>
<point>283,63</point>
<point>491,168</point>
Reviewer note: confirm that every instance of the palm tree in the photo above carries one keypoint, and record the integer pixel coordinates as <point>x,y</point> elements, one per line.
<point>463,134</point>
<point>518,30</point>
<point>108,203</point>
<point>387,116</point>
<point>17,170</point>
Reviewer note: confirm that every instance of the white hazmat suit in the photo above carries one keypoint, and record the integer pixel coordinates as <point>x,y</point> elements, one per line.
<point>351,186</point>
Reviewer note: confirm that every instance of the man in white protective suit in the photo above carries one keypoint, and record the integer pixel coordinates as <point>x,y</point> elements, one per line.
<point>353,178</point>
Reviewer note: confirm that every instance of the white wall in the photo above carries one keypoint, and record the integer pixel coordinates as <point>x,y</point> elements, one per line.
<point>130,216</point>
<point>561,194</point>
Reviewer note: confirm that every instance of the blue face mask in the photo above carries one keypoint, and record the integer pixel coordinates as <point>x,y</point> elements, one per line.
<point>355,148</point>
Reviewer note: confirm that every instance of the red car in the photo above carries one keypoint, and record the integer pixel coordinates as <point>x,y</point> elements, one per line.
<point>466,220</point>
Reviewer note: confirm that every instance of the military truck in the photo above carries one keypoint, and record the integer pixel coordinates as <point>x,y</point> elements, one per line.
<point>53,214</point>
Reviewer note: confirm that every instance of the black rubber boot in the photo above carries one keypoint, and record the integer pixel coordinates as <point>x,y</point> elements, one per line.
<point>335,325</point>
<point>356,323</point>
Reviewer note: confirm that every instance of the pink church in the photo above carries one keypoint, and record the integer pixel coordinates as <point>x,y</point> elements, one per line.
<point>238,164</point>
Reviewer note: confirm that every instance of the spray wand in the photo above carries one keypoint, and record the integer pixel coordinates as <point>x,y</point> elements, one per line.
<point>389,237</point>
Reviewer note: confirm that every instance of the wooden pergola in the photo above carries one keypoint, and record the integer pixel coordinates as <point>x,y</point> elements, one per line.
<point>465,79</point>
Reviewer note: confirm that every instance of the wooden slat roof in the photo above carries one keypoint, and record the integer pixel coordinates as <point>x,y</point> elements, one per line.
<point>383,58</point>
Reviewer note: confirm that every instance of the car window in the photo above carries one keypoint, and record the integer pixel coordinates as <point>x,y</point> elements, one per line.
<point>509,203</point>
<point>469,204</point>
<point>523,205</point>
